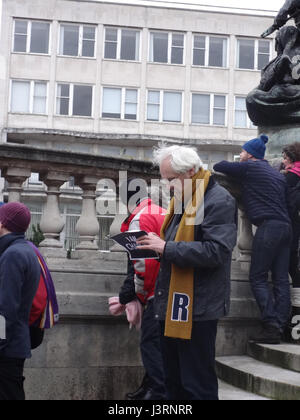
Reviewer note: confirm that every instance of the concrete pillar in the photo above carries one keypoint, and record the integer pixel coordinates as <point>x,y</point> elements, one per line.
<point>15,178</point>
<point>245,241</point>
<point>88,225</point>
<point>52,222</point>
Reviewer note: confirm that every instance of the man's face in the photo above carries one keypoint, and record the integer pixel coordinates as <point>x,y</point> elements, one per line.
<point>244,156</point>
<point>174,180</point>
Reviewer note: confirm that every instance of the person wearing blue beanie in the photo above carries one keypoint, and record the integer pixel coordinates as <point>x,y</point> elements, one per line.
<point>257,147</point>
<point>264,198</point>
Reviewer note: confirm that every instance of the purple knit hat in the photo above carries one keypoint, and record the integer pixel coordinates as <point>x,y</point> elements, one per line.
<point>15,217</point>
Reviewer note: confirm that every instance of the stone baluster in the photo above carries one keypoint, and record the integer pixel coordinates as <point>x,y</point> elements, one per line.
<point>52,222</point>
<point>245,241</point>
<point>115,228</point>
<point>88,225</point>
<point>15,178</point>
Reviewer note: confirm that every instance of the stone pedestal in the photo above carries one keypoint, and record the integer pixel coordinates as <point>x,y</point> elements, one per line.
<point>279,137</point>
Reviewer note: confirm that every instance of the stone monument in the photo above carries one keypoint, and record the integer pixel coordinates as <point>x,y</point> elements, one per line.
<point>274,106</point>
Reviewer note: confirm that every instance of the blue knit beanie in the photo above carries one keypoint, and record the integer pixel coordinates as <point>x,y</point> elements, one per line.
<point>257,147</point>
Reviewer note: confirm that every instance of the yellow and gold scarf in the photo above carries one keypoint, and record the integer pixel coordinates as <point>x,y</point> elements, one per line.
<point>179,318</point>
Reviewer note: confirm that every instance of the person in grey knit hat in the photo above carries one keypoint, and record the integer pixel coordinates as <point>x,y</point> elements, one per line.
<point>19,280</point>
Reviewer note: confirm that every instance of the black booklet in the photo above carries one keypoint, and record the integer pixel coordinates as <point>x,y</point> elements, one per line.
<point>128,240</point>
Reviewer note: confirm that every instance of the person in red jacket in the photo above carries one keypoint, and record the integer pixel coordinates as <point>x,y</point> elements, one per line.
<point>140,284</point>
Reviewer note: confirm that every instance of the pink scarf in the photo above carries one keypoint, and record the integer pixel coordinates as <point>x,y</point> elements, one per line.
<point>295,168</point>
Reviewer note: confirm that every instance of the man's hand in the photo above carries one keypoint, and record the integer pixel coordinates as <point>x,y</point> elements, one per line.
<point>151,242</point>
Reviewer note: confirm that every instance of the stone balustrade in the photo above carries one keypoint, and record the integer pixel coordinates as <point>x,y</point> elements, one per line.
<point>55,169</point>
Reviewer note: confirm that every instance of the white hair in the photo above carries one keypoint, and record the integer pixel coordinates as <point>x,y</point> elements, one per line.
<point>183,158</point>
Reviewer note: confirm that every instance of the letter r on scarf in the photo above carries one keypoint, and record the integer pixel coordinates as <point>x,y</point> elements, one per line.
<point>180,312</point>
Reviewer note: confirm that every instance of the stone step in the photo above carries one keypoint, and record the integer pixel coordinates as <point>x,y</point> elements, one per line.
<point>286,356</point>
<point>259,378</point>
<point>231,393</point>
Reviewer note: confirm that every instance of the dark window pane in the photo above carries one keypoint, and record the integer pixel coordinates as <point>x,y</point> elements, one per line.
<point>40,37</point>
<point>217,52</point>
<point>63,106</point>
<point>82,101</point>
<point>21,27</point>
<point>246,54</point>
<point>130,116</point>
<point>219,117</point>
<point>263,60</point>
<point>110,50</point>
<point>264,47</point>
<point>201,109</point>
<point>89,32</point>
<point>199,58</point>
<point>70,40</point>
<point>111,35</point>
<point>129,45</point>
<point>177,56</point>
<point>20,43</point>
<point>159,47</point>
<point>64,90</point>
<point>177,40</point>
<point>88,48</point>
<point>199,42</point>
<point>108,115</point>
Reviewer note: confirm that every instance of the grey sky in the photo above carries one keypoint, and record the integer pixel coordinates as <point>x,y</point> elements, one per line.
<point>248,4</point>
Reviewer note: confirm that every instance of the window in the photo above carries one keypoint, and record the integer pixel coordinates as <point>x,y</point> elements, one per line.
<point>31,37</point>
<point>253,54</point>
<point>29,97</point>
<point>77,40</point>
<point>166,47</point>
<point>164,106</point>
<point>120,103</point>
<point>122,44</point>
<point>210,51</point>
<point>34,179</point>
<point>241,115</point>
<point>209,109</point>
<point>74,100</point>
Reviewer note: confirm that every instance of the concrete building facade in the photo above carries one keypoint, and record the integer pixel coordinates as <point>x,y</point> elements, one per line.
<point>115,80</point>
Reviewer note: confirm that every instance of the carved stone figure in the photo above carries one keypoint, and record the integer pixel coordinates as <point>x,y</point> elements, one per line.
<point>276,100</point>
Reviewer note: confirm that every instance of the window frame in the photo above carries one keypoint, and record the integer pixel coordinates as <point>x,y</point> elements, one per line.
<point>71,100</point>
<point>207,50</point>
<point>211,109</point>
<point>31,96</point>
<point>170,47</point>
<point>123,103</point>
<point>249,124</point>
<point>119,43</point>
<point>29,35</point>
<point>161,106</point>
<point>80,40</point>
<point>256,52</point>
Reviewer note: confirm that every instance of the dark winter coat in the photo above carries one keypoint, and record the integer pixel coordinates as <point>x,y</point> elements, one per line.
<point>19,279</point>
<point>210,255</point>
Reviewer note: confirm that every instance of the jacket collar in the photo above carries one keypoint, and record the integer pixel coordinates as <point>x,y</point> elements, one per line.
<point>7,240</point>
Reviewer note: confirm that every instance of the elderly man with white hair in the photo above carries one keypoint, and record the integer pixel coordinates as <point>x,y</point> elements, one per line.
<point>193,286</point>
